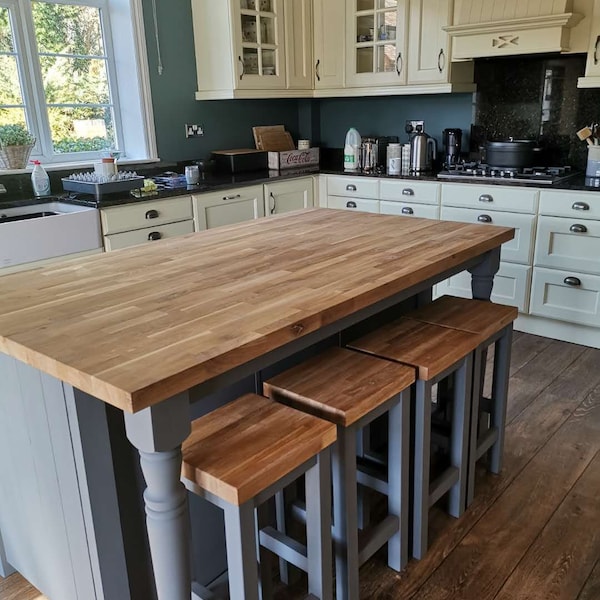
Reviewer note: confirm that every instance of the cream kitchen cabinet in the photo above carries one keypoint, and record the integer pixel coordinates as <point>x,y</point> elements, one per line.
<point>376,42</point>
<point>242,50</point>
<point>353,193</point>
<point>329,43</point>
<point>227,207</point>
<point>294,194</point>
<point>142,222</point>
<point>592,67</point>
<point>410,198</point>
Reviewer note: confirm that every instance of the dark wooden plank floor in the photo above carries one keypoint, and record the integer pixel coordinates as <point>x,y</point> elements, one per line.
<point>532,533</point>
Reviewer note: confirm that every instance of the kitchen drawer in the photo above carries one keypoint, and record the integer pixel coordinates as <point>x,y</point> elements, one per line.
<point>362,204</point>
<point>408,209</point>
<point>568,244</point>
<point>227,207</point>
<point>490,197</point>
<point>425,192</point>
<point>511,286</point>
<point>577,205</point>
<point>520,248</point>
<point>116,241</point>
<point>138,215</point>
<point>552,297</point>
<point>360,187</point>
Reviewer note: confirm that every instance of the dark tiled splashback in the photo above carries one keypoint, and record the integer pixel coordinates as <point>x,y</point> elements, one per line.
<point>537,98</point>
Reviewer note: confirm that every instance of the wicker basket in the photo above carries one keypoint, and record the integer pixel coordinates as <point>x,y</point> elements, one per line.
<point>15,157</point>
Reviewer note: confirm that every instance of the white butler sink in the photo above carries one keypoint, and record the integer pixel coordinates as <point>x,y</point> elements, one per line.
<point>40,231</point>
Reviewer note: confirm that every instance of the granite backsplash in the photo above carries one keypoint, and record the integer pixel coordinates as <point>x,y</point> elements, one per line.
<point>535,97</point>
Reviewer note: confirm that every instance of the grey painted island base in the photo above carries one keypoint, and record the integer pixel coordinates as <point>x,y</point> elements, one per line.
<point>60,518</point>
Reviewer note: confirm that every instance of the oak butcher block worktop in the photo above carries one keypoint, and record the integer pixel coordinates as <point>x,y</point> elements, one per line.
<point>137,326</point>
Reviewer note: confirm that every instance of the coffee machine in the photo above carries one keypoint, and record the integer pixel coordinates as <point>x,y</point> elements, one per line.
<point>452,141</point>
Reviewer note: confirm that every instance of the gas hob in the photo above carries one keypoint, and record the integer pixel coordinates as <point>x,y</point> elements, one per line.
<point>483,172</point>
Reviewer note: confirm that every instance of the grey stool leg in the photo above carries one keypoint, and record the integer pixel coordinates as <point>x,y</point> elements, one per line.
<point>345,514</point>
<point>460,430</point>
<point>398,475</point>
<point>264,556</point>
<point>474,427</point>
<point>240,538</point>
<point>500,396</point>
<point>421,464</point>
<point>318,527</point>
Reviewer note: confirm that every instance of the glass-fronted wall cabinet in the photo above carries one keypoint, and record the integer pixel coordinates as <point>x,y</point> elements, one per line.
<point>376,43</point>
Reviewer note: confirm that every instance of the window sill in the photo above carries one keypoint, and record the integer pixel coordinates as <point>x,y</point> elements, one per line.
<point>78,165</point>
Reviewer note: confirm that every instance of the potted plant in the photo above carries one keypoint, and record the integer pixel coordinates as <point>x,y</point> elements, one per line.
<point>15,146</point>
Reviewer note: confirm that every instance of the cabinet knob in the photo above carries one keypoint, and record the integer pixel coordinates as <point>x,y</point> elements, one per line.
<point>577,228</point>
<point>580,206</point>
<point>152,214</point>
<point>350,188</point>
<point>351,204</point>
<point>484,219</point>
<point>573,281</point>
<point>232,197</point>
<point>407,210</point>
<point>154,235</point>
<point>486,198</point>
<point>408,192</point>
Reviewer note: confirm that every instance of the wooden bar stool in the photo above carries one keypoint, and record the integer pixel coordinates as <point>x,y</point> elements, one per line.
<point>436,353</point>
<point>240,455</point>
<point>351,390</point>
<point>493,324</point>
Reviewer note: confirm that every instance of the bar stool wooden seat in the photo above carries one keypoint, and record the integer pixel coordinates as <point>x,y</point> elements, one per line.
<point>240,455</point>
<point>351,390</point>
<point>436,353</point>
<point>493,324</point>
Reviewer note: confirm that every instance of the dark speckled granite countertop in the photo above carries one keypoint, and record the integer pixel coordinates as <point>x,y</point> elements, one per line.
<point>217,182</point>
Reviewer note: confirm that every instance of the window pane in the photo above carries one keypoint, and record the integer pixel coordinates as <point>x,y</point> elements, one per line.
<point>6,37</point>
<point>75,80</point>
<point>12,116</point>
<point>66,29</point>
<point>10,89</point>
<point>79,129</point>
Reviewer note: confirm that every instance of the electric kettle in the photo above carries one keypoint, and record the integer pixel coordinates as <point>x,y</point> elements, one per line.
<point>423,150</point>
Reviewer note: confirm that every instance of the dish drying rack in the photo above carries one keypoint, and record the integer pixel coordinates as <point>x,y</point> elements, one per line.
<point>100,185</point>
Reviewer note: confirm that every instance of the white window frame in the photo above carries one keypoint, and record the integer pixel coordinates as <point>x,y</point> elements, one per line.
<point>129,80</point>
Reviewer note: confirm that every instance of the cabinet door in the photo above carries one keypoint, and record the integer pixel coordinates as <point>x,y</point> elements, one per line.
<point>259,33</point>
<point>329,43</point>
<point>592,68</point>
<point>520,248</point>
<point>409,209</point>
<point>376,42</point>
<point>511,286</point>
<point>228,207</point>
<point>568,244</point>
<point>298,44</point>
<point>566,296</point>
<point>428,60</point>
<point>360,204</point>
<point>285,196</point>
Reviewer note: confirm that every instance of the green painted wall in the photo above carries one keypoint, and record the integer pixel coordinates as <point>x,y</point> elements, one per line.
<point>227,123</point>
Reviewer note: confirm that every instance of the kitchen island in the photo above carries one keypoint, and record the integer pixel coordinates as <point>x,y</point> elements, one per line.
<point>150,330</point>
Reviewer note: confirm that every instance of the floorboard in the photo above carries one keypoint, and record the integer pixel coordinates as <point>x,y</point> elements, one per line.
<point>532,532</point>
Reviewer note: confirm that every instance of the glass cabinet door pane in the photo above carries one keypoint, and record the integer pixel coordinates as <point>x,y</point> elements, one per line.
<point>386,25</point>
<point>265,5</point>
<point>386,58</point>
<point>249,31</point>
<point>387,4</point>
<point>365,28</point>
<point>365,5</point>
<point>364,60</point>
<point>267,30</point>
<point>250,61</point>
<point>248,4</point>
<point>269,65</point>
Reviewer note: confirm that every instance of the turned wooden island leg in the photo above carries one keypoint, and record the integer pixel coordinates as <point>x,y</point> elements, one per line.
<point>158,432</point>
<point>482,274</point>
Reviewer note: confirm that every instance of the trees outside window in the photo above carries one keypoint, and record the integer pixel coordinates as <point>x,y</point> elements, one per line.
<point>59,77</point>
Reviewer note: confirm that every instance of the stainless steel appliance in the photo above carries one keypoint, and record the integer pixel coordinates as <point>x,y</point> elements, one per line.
<point>422,152</point>
<point>452,138</point>
<point>483,172</point>
<point>369,155</point>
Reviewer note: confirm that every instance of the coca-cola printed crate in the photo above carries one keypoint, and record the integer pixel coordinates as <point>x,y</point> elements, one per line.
<point>293,159</point>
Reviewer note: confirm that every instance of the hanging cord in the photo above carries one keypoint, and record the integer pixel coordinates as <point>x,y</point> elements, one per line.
<point>158,54</point>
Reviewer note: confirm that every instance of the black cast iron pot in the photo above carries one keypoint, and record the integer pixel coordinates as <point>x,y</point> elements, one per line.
<point>512,153</point>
